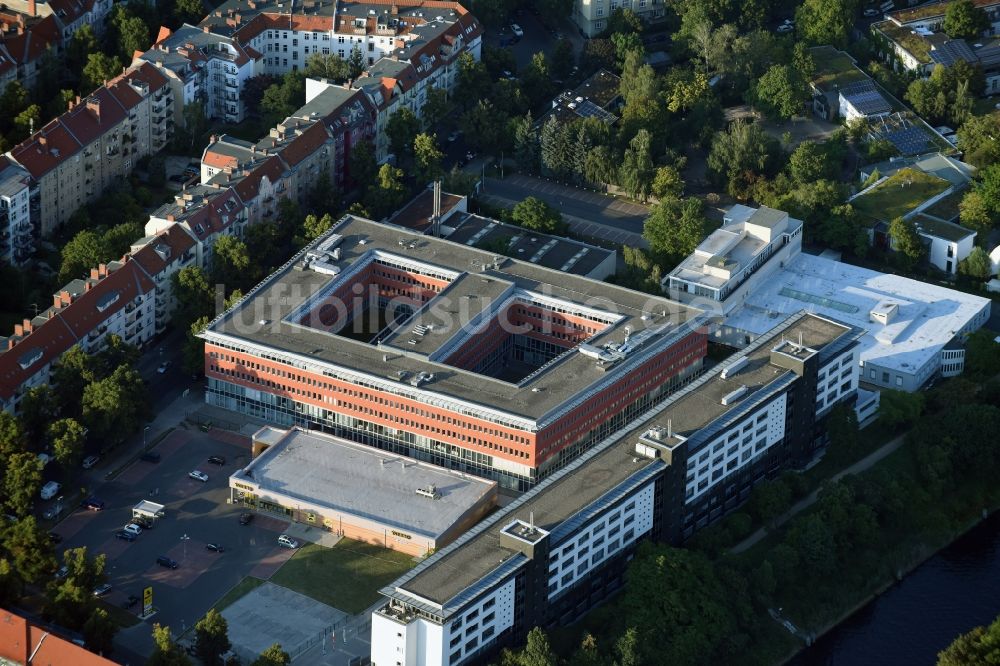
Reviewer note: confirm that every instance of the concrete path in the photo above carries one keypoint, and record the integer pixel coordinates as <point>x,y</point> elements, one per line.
<point>860,466</point>
<point>303,532</point>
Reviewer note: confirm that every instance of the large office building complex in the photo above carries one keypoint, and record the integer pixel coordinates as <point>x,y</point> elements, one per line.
<point>446,353</point>
<point>561,548</point>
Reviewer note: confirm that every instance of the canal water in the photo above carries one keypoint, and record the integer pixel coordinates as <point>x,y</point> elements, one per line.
<point>956,590</point>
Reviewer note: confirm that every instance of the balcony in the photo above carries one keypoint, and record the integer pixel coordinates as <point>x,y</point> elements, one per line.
<point>232,83</point>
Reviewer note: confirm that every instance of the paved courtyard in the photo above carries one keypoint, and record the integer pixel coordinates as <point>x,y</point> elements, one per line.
<point>274,614</point>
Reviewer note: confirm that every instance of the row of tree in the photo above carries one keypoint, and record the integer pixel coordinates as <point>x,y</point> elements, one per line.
<point>211,644</point>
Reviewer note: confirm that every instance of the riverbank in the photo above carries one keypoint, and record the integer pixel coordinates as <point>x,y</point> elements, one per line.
<point>794,657</point>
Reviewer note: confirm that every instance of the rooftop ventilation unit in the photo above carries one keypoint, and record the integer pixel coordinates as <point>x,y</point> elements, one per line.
<point>732,397</point>
<point>734,368</point>
<point>430,492</point>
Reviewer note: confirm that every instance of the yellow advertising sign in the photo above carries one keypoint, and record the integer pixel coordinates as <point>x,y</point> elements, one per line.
<point>147,600</point>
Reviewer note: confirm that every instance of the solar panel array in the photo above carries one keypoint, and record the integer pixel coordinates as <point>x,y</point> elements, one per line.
<point>587,109</point>
<point>909,140</point>
<point>952,51</point>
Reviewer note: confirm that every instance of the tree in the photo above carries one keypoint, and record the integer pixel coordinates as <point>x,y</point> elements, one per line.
<point>982,354</point>
<point>981,645</point>
<point>79,255</point>
<point>211,639</point>
<point>535,214</point>
<point>770,500</point>
<point>964,20</point>
<point>99,632</point>
<point>401,129</point>
<point>906,240</point>
<point>12,438</point>
<point>273,656</point>
<point>67,437</point>
<point>977,265</point>
<point>741,156</point>
<point>522,128</point>
<point>134,36</point>
<point>987,186</point>
<point>313,227</point>
<point>484,127</point>
<point>675,226</point>
<point>597,54</point>
<point>99,68</point>
<point>819,22</point>
<point>282,99</point>
<point>81,45</point>
<point>74,370</point>
<point>435,107</point>
<point>230,259</point>
<point>536,80</point>
<point>356,62</point>
<point>809,163</point>
<point>667,183</point>
<point>898,408</point>
<point>536,652</point>
<point>165,651</point>
<point>30,550</point>
<point>975,214</point>
<point>387,193</point>
<point>427,158</point>
<point>26,122</point>
<point>194,347</point>
<point>562,59</point>
<point>976,140</point>
<point>555,149</point>
<point>780,92</point>
<point>473,80</point>
<point>636,172</point>
<point>115,406</point>
<point>13,101</point>
<point>22,481</point>
<point>327,66</point>
<point>39,408</point>
<point>195,296</point>
<point>362,164</point>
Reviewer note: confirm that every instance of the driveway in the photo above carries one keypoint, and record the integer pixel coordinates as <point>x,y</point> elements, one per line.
<point>588,213</point>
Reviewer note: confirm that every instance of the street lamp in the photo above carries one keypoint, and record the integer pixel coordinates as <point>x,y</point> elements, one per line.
<point>185,539</point>
<point>144,431</point>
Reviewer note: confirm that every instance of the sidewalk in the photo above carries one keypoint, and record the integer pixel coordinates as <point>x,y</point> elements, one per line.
<point>804,503</point>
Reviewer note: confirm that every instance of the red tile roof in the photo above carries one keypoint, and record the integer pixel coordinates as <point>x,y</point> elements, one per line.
<point>45,149</point>
<point>21,640</point>
<point>249,187</point>
<point>126,283</point>
<point>304,144</point>
<point>173,238</point>
<point>29,45</point>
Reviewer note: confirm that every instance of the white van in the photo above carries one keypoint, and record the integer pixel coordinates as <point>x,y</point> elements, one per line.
<point>50,489</point>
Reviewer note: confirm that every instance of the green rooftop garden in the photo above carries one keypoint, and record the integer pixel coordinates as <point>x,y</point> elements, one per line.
<point>915,44</point>
<point>946,208</point>
<point>834,69</point>
<point>899,194</point>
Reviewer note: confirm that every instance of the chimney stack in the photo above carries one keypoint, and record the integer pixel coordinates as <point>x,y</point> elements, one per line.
<point>31,8</point>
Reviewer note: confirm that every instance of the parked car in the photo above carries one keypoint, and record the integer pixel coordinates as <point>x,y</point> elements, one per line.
<point>150,456</point>
<point>93,504</point>
<point>217,460</point>
<point>165,561</point>
<point>101,590</point>
<point>516,29</point>
<point>163,367</point>
<point>125,536</point>
<point>786,27</point>
<point>62,572</point>
<point>90,461</point>
<point>198,476</point>
<point>246,518</point>
<point>216,547</point>
<point>286,541</point>
<point>132,528</point>
<point>453,137</point>
<point>871,12</point>
<point>50,489</point>
<point>55,538</point>
<point>131,601</point>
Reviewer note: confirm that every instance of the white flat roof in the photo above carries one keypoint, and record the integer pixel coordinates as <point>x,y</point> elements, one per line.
<point>928,318</point>
<point>363,481</point>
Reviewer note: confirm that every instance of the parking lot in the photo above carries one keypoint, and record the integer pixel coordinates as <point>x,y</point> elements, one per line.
<point>197,513</point>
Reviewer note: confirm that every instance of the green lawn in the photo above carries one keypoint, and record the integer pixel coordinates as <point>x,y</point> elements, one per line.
<point>347,576</point>
<point>233,595</point>
<point>899,194</point>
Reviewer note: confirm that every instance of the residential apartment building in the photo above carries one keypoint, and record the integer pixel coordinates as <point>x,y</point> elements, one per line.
<point>554,553</point>
<point>591,16</point>
<point>95,144</point>
<point>117,298</point>
<point>16,239</point>
<point>446,353</point>
<point>161,256</point>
